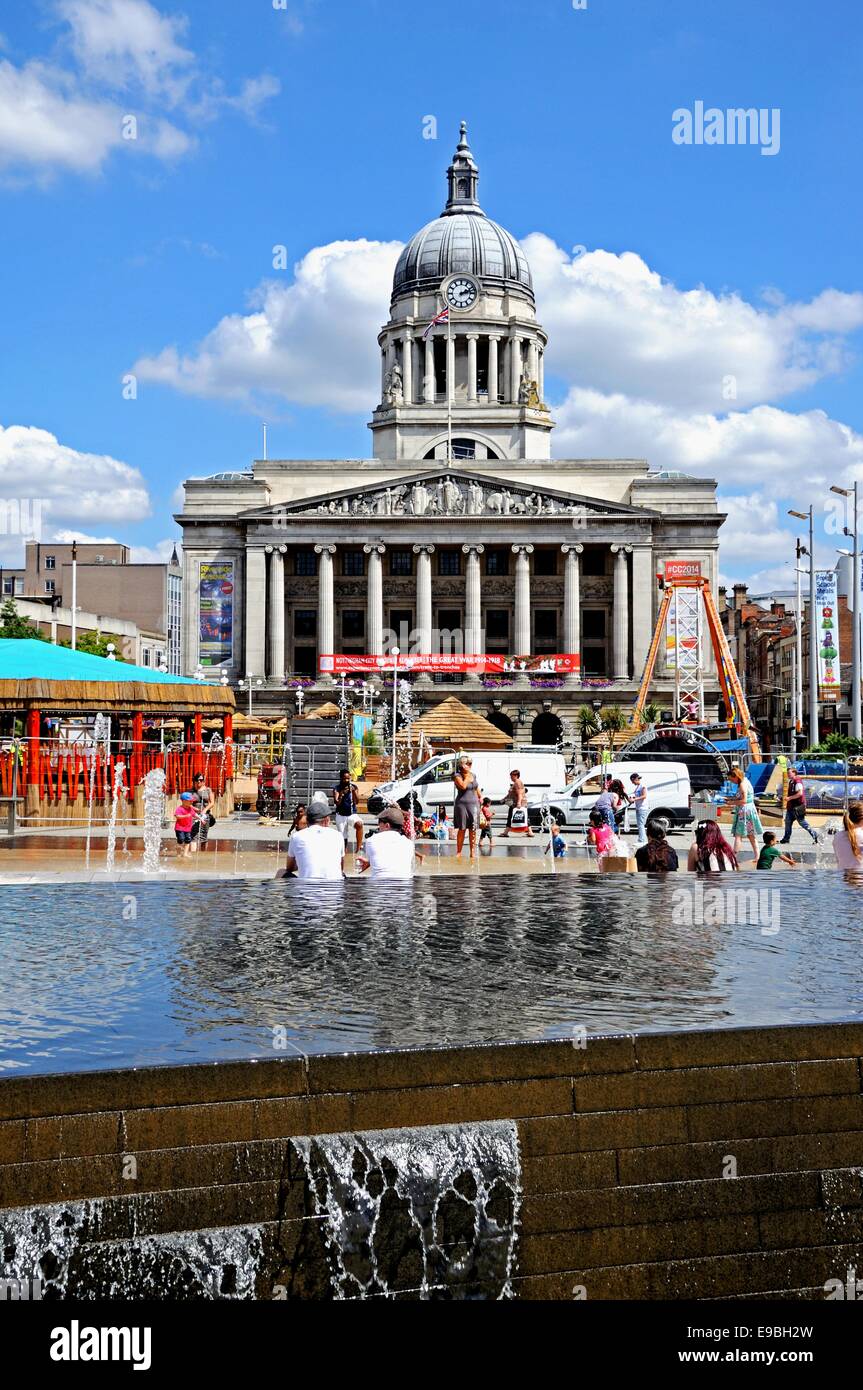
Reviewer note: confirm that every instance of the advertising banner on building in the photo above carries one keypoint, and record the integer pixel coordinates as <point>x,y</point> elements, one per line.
<point>561,664</point>
<point>682,569</point>
<point>827,633</point>
<point>216,613</point>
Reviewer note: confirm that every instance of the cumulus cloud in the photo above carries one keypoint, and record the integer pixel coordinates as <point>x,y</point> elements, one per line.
<point>311,342</point>
<point>779,446</point>
<point>71,485</point>
<point>615,325</point>
<point>114,59</point>
<point>120,43</point>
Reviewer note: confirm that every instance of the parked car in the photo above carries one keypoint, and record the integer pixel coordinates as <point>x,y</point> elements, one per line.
<point>668,795</point>
<point>541,769</point>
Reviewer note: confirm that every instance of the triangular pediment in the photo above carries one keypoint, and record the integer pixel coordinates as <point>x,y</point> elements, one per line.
<point>449,492</point>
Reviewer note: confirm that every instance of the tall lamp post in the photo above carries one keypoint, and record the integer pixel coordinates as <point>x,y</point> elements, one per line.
<point>74,623</point>
<point>854,534</point>
<point>813,644</point>
<point>395,653</point>
<point>799,551</point>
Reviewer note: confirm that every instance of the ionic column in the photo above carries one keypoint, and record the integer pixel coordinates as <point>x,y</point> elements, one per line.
<point>493,387</point>
<point>507,370</point>
<point>375,600</point>
<point>540,385</point>
<point>450,368</point>
<point>326,624</point>
<point>276,625</point>
<point>515,367</point>
<point>522,598</point>
<point>471,366</point>
<point>255,609</point>
<point>428,376</point>
<point>620,619</point>
<point>383,371</point>
<point>571,604</point>
<point>424,596</point>
<point>408,367</point>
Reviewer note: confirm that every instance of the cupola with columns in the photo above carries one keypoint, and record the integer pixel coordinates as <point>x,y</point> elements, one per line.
<point>472,387</point>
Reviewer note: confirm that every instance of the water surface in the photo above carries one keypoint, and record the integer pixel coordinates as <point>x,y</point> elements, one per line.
<point>95,976</point>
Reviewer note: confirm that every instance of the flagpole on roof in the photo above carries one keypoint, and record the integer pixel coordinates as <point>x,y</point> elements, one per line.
<point>450,360</point>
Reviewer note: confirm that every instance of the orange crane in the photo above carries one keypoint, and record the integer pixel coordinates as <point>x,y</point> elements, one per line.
<point>688,603</point>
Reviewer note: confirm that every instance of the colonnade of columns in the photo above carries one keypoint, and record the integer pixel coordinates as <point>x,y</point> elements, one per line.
<point>416,361</point>
<point>265,645</point>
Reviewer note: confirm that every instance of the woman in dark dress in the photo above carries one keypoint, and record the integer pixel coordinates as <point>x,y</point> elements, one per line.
<point>467,803</point>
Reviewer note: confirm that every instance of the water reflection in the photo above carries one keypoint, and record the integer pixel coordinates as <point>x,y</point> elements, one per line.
<point>209,970</point>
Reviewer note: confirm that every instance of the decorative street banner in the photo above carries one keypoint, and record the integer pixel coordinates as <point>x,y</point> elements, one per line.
<point>567,664</point>
<point>216,613</point>
<point>682,569</point>
<point>827,634</point>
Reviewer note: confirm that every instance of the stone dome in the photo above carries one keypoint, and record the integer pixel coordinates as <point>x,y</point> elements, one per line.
<point>466,242</point>
<point>462,240</point>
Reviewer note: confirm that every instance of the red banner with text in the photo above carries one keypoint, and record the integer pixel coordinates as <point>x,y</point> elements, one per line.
<point>565,664</point>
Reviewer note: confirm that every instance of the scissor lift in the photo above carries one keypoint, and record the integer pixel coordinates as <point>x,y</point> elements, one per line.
<point>689,603</point>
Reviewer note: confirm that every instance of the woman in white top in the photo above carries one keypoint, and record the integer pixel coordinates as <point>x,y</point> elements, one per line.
<point>848,843</point>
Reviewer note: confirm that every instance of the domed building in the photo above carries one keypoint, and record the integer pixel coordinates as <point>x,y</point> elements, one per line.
<point>473,387</point>
<point>526,583</point>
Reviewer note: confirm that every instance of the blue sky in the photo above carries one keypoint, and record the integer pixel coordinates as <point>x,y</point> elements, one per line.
<point>303,126</point>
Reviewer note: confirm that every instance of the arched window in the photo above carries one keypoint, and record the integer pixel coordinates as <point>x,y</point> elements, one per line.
<point>546,729</point>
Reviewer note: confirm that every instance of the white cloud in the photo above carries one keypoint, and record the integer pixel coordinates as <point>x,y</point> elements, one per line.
<point>72,485</point>
<point>123,43</point>
<point>777,447</point>
<point>311,341</point>
<point>615,325</point>
<point>158,554</point>
<point>115,59</point>
<point>44,126</point>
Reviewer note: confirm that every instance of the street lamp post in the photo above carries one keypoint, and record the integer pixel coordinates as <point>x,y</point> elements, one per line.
<point>854,534</point>
<point>395,652</point>
<point>248,684</point>
<point>74,624</point>
<point>813,645</point>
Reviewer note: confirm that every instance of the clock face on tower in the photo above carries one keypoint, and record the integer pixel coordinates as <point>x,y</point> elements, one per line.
<point>461,292</point>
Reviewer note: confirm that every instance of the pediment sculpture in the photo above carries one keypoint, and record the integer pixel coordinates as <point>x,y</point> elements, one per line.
<point>446,496</point>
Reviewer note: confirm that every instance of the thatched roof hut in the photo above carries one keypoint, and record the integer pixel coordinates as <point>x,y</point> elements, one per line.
<point>451,724</point>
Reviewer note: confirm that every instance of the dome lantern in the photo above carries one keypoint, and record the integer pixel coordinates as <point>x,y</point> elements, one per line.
<point>463,177</point>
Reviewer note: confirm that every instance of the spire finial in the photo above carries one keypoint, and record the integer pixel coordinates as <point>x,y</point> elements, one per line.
<point>462,131</point>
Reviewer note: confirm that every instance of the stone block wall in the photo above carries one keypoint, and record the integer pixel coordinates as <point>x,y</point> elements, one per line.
<point>713,1164</point>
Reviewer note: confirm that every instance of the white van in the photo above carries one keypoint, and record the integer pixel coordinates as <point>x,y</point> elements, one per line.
<point>668,795</point>
<point>542,769</point>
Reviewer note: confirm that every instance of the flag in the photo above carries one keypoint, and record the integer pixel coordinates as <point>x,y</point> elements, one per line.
<point>442,317</point>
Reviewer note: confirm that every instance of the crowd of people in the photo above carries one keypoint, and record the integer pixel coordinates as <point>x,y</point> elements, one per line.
<point>317,846</point>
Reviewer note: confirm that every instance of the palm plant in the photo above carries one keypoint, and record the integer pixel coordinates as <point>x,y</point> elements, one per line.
<point>614,721</point>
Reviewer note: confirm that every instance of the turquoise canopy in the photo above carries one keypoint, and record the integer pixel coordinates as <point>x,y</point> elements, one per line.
<point>25,658</point>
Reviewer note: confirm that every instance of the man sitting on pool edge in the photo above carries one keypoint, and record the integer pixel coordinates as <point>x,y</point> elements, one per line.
<point>319,850</point>
<point>389,854</point>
